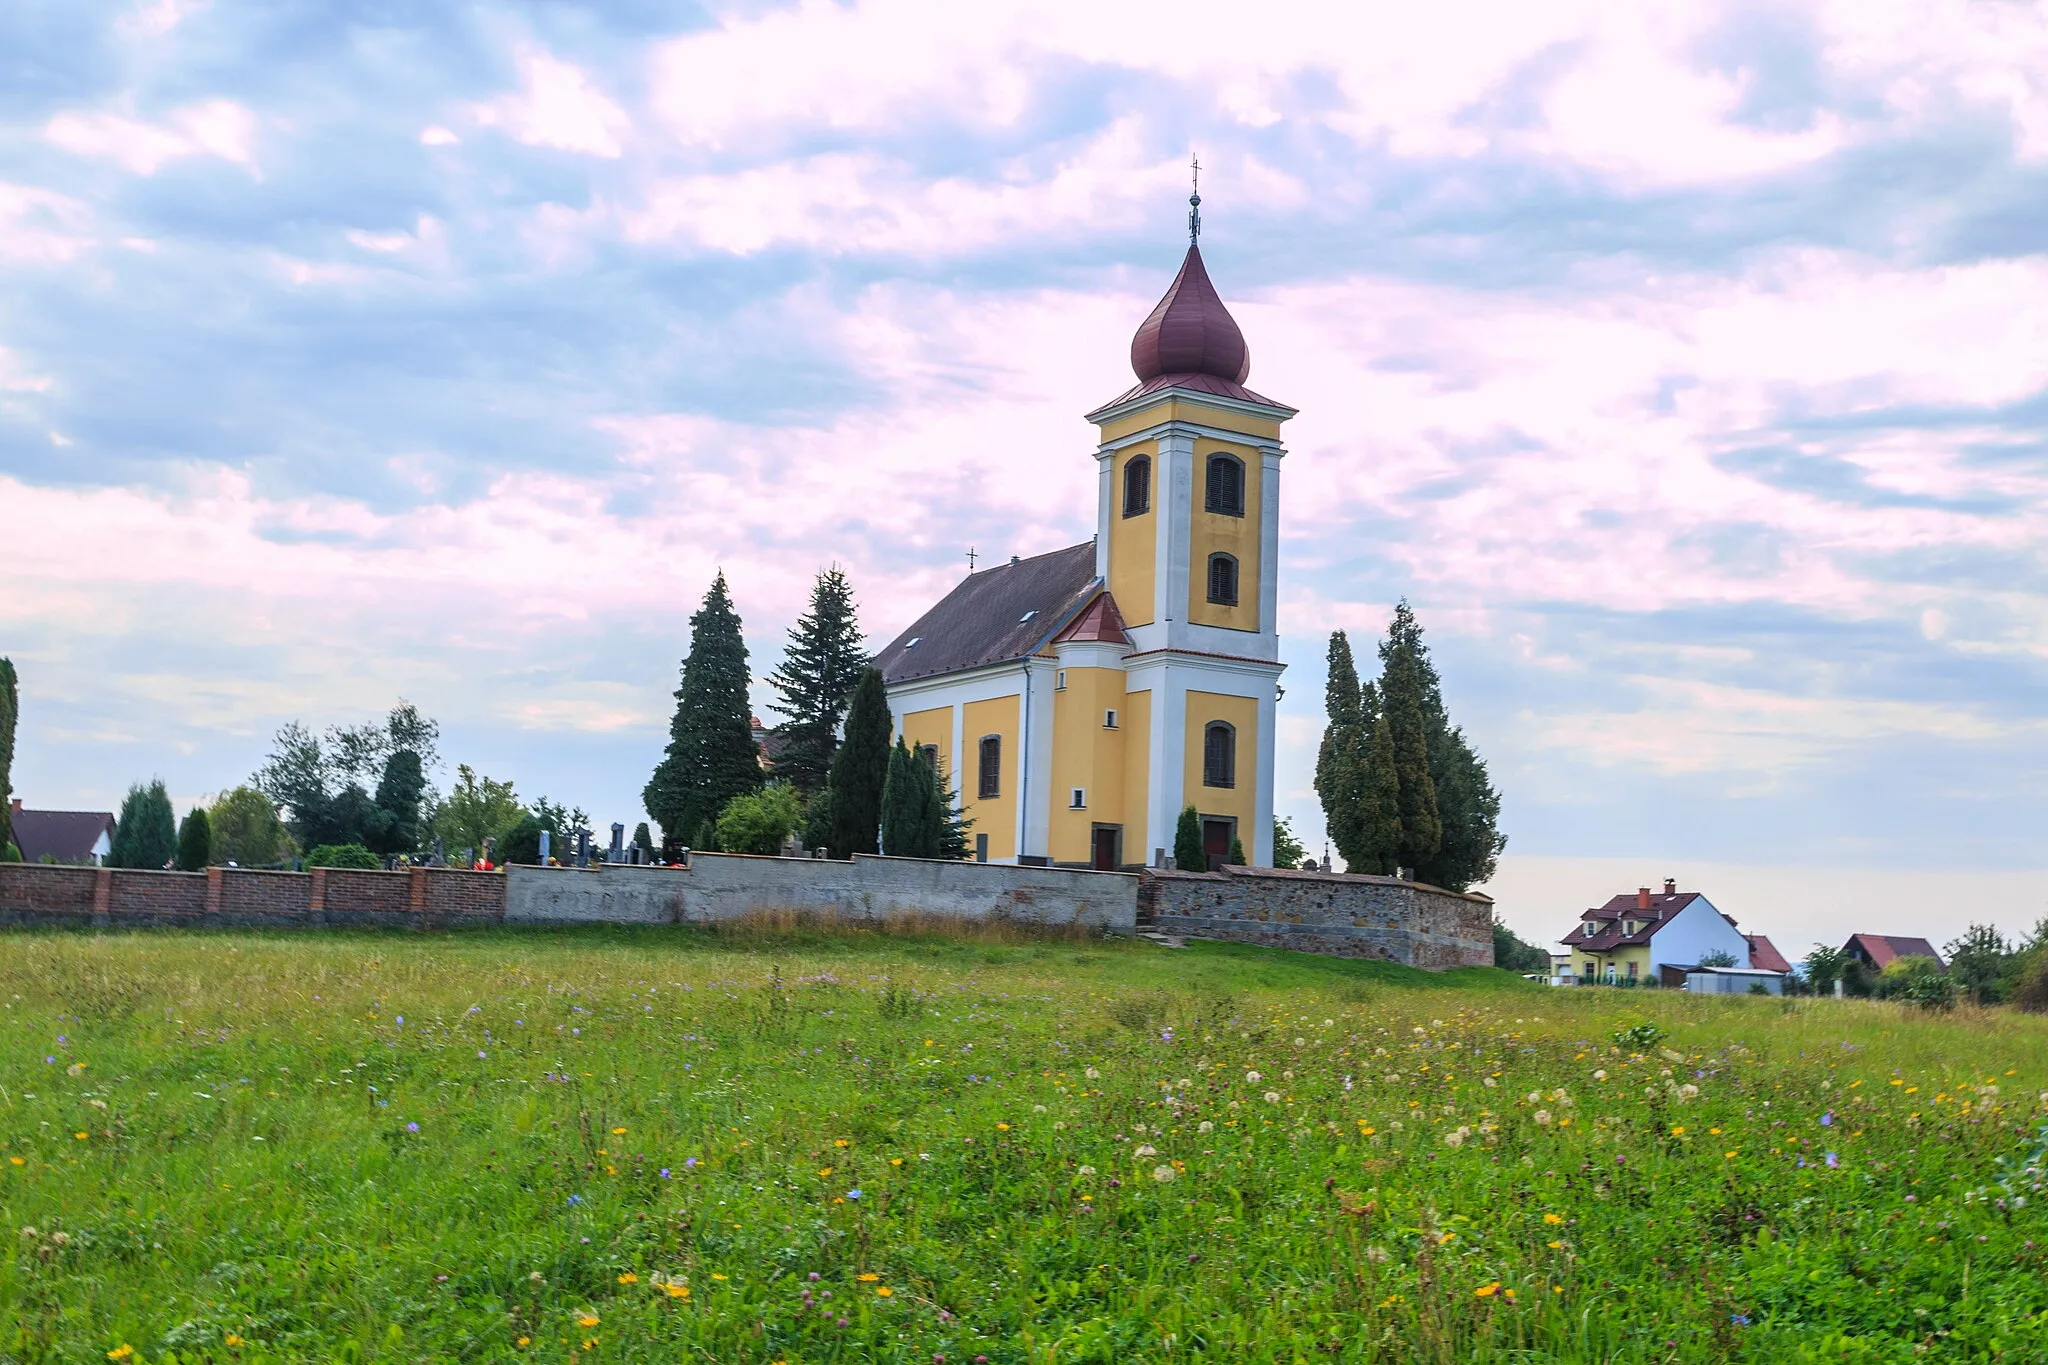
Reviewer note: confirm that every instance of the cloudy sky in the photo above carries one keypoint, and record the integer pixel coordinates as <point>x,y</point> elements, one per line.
<point>1685,365</point>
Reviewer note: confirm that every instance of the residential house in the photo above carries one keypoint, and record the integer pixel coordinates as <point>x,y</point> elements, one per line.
<point>1765,955</point>
<point>1635,938</point>
<point>1878,951</point>
<point>64,836</point>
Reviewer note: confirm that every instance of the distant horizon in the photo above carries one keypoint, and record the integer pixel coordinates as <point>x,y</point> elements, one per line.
<point>1687,371</point>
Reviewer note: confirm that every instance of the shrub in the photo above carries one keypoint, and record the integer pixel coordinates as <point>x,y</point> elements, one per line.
<point>2030,991</point>
<point>344,855</point>
<point>1187,843</point>
<point>1639,1037</point>
<point>10,854</point>
<point>758,821</point>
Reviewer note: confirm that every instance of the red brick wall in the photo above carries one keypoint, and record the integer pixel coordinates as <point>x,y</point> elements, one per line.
<point>264,895</point>
<point>37,888</point>
<point>351,892</point>
<point>451,893</point>
<point>156,895</point>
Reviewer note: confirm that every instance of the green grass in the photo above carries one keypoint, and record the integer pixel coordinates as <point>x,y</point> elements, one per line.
<point>645,1147</point>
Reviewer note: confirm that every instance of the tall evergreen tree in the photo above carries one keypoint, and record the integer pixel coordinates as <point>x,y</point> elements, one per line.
<point>1337,774</point>
<point>1188,853</point>
<point>821,668</point>
<point>1468,806</point>
<point>1403,703</point>
<point>711,756</point>
<point>1379,796</point>
<point>146,835</point>
<point>859,770</point>
<point>10,712</point>
<point>195,842</point>
<point>907,829</point>
<point>396,825</point>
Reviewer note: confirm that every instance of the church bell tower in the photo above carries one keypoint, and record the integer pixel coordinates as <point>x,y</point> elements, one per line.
<point>1187,543</point>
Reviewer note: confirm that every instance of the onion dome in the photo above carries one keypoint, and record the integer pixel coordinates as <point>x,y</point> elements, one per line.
<point>1190,332</point>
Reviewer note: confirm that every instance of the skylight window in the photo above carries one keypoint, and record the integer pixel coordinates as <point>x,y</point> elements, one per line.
<point>1026,617</point>
<point>913,642</point>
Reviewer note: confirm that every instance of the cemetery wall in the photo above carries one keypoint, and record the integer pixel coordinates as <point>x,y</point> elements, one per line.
<point>725,886</point>
<point>32,893</point>
<point>1334,914</point>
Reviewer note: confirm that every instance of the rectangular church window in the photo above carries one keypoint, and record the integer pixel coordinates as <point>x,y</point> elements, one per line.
<point>990,785</point>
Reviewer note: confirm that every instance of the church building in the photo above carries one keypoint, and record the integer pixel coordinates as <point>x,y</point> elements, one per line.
<point>1081,699</point>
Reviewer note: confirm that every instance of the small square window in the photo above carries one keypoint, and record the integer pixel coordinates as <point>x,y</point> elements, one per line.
<point>1109,719</point>
<point>1080,799</point>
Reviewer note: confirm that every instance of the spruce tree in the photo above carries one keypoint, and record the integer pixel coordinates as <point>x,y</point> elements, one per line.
<point>10,711</point>
<point>146,835</point>
<point>859,770</point>
<point>711,756</point>
<point>1468,806</point>
<point>1403,703</point>
<point>822,666</point>
<point>1188,854</point>
<point>195,842</point>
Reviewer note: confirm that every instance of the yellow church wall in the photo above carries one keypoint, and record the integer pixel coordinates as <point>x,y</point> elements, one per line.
<point>996,816</point>
<point>1137,727</point>
<point>1242,713</point>
<point>1089,755</point>
<point>1214,533</point>
<point>1187,410</point>
<point>935,728</point>
<point>1133,541</point>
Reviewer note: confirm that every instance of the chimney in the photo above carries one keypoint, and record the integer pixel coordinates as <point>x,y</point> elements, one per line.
<point>16,803</point>
<point>1642,898</point>
<point>1671,886</point>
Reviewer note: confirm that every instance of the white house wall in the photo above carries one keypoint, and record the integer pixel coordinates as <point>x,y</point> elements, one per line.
<point>1696,931</point>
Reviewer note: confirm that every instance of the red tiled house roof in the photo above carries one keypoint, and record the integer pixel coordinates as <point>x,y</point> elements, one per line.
<point>1764,954</point>
<point>1881,950</point>
<point>1650,911</point>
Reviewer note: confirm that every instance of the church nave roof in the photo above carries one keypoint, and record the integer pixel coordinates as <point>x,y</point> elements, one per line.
<point>995,616</point>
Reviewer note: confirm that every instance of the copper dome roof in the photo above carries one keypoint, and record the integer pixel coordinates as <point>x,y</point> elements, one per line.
<point>1190,331</point>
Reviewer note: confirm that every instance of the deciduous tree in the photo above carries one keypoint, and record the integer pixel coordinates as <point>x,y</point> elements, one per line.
<point>246,830</point>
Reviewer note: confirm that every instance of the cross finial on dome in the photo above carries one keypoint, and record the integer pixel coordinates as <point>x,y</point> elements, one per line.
<point>1195,204</point>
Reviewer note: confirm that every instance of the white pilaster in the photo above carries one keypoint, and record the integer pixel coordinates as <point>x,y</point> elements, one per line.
<point>1176,531</point>
<point>1105,497</point>
<point>1261,842</point>
<point>1269,560</point>
<point>1034,802</point>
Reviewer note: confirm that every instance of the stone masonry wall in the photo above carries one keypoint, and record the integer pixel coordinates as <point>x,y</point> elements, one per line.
<point>1334,914</point>
<point>422,897</point>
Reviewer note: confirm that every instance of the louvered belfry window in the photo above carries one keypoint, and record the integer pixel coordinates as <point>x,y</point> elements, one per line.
<point>1226,486</point>
<point>1223,580</point>
<point>1138,485</point>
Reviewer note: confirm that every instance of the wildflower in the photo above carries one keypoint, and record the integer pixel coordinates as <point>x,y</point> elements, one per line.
<point>1455,1138</point>
<point>884,1291</point>
<point>17,1161</point>
<point>664,1173</point>
<point>1252,1078</point>
<point>1376,1254</point>
<point>716,1276</point>
<point>1002,1128</point>
<point>839,1142</point>
<point>1487,1291</point>
<point>824,1173</point>
<point>629,1278</point>
<point>81,1136</point>
<point>412,1127</point>
<point>1205,1127</point>
<point>1092,1074</point>
<point>895,1161</point>
<point>1272,1097</point>
<point>1832,1161</point>
<point>867,1278</point>
<point>121,1352</point>
<point>1827,1120</point>
<point>676,1291</point>
<point>853,1193</point>
<point>1542,1117</point>
<point>586,1318</point>
<point>1552,1218</point>
<point>1679,1131</point>
<point>618,1132</point>
<point>1366,1130</point>
<point>1600,1075</point>
<point>1145,1149</point>
<point>1162,1174</point>
<point>523,1341</point>
<point>1086,1170</point>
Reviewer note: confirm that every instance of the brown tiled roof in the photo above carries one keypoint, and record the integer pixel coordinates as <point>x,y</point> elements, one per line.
<point>1764,954</point>
<point>1663,908</point>
<point>1099,623</point>
<point>1199,383</point>
<point>1881,950</point>
<point>996,615</point>
<point>67,835</point>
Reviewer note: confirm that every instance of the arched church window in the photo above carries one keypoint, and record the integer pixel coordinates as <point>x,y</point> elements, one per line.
<point>1137,485</point>
<point>1223,580</point>
<point>990,783</point>
<point>1219,755</point>
<point>1226,485</point>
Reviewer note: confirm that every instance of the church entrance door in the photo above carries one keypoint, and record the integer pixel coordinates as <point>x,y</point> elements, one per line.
<point>1106,851</point>
<point>1216,841</point>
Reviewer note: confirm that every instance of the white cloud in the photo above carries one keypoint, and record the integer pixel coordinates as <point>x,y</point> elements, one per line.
<point>434,135</point>
<point>558,106</point>
<point>39,224</point>
<point>217,127</point>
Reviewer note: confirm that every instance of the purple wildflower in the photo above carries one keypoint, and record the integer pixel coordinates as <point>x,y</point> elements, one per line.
<point>412,1127</point>
<point>688,1162</point>
<point>1827,1120</point>
<point>664,1173</point>
<point>1832,1162</point>
<point>853,1193</point>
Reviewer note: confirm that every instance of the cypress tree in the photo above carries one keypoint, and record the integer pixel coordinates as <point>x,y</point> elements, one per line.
<point>146,835</point>
<point>1337,771</point>
<point>1379,798</point>
<point>1403,704</point>
<point>643,837</point>
<point>1188,854</point>
<point>195,842</point>
<point>10,711</point>
<point>904,810</point>
<point>1236,856</point>
<point>859,770</point>
<point>822,666</point>
<point>711,756</point>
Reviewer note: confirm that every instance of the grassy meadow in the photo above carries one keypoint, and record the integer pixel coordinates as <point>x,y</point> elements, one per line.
<point>791,1147</point>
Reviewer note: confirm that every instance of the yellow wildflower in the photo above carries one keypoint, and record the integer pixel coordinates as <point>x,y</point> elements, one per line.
<point>824,1173</point>
<point>121,1352</point>
<point>233,1339</point>
<point>586,1319</point>
<point>618,1132</point>
<point>17,1161</point>
<point>1487,1291</point>
<point>523,1341</point>
<point>1002,1128</point>
<point>1552,1218</point>
<point>885,1291</point>
<point>676,1291</point>
<point>80,1136</point>
<point>629,1278</point>
<point>895,1161</point>
<point>716,1276</point>
<point>868,1278</point>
